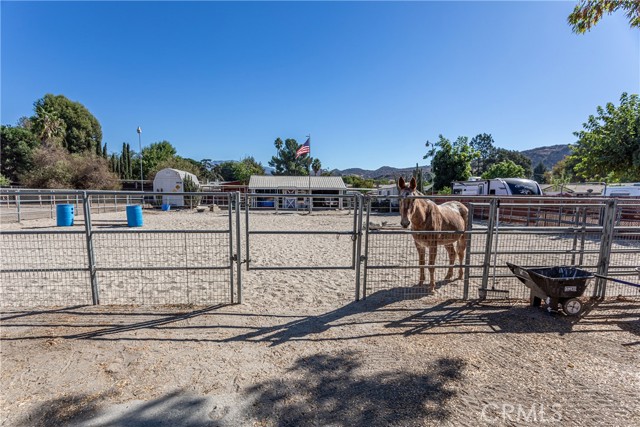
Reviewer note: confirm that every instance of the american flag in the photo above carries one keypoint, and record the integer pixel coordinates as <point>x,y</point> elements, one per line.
<point>304,148</point>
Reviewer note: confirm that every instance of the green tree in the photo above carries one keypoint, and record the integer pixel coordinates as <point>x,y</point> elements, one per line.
<point>609,144</point>
<point>156,153</point>
<point>48,127</point>
<point>4,181</point>
<point>563,171</point>
<point>483,144</point>
<point>247,167</point>
<point>316,165</point>
<point>81,130</point>
<point>358,182</point>
<point>539,173</point>
<point>501,154</point>
<point>16,151</point>
<point>285,162</point>
<point>175,162</point>
<point>240,171</point>
<point>587,13</point>
<point>451,161</point>
<point>504,169</point>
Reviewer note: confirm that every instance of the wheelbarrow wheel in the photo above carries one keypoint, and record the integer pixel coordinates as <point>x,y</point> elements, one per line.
<point>572,306</point>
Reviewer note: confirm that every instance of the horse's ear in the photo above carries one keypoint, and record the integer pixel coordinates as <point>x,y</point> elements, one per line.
<point>401,183</point>
<point>413,184</point>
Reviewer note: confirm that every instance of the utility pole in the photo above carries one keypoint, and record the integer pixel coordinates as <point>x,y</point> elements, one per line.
<point>140,144</point>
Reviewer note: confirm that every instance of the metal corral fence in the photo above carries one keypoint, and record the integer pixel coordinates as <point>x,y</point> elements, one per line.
<point>601,236</point>
<point>106,262</point>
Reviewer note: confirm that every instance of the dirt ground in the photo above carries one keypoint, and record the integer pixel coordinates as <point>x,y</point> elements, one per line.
<point>382,361</point>
<point>299,351</point>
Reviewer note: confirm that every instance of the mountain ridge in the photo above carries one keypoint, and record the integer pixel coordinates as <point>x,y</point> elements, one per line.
<point>548,155</point>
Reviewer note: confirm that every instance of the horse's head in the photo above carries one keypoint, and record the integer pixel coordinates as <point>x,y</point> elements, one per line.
<point>407,205</point>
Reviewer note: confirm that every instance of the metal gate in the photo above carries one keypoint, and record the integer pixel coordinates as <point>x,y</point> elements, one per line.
<point>102,261</point>
<point>347,240</point>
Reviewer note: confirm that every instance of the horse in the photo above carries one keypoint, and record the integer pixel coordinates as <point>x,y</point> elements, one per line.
<point>425,215</point>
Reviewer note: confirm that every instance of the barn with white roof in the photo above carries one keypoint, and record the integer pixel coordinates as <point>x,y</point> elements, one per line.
<point>291,192</point>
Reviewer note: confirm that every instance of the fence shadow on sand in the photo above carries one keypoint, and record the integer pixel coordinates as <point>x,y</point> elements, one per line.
<point>378,315</point>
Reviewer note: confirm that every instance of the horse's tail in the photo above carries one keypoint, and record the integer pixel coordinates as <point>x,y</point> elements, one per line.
<point>461,245</point>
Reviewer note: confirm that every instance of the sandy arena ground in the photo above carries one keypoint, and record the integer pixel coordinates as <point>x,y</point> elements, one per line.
<point>299,351</point>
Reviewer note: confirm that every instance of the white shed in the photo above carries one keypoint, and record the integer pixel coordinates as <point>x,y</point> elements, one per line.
<point>172,181</point>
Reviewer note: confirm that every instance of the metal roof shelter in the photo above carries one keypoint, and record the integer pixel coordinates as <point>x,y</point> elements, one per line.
<point>295,190</point>
<point>271,182</point>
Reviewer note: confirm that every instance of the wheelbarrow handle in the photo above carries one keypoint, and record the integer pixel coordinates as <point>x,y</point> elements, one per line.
<point>624,282</point>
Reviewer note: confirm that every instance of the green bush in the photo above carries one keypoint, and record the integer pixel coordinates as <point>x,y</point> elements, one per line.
<point>189,186</point>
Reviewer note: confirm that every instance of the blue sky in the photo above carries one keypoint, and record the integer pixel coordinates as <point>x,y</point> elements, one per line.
<point>370,81</point>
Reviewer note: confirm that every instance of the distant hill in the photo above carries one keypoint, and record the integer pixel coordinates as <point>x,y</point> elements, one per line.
<point>549,156</point>
<point>385,172</point>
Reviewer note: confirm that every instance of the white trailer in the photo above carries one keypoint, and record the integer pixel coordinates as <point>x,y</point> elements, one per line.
<point>623,190</point>
<point>172,181</point>
<point>497,187</point>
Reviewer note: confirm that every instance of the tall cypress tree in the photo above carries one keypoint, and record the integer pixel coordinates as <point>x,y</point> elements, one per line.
<point>129,168</point>
<point>123,161</point>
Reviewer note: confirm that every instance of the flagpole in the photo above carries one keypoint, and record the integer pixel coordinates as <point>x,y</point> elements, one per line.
<point>309,172</point>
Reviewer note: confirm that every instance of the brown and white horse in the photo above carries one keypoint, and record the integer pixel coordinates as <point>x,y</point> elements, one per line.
<point>425,215</point>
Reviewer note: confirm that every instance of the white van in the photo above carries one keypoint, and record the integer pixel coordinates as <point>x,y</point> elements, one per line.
<point>624,190</point>
<point>497,187</point>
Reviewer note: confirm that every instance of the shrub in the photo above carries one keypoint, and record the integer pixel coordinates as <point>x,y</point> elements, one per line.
<point>92,173</point>
<point>445,191</point>
<point>51,169</point>
<point>54,167</point>
<point>189,186</point>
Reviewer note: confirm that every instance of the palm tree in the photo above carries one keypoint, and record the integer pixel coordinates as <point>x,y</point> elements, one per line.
<point>49,128</point>
<point>316,165</point>
<point>278,144</point>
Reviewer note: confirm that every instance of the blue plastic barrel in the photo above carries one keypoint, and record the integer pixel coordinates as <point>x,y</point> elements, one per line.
<point>64,215</point>
<point>134,216</point>
<point>166,207</point>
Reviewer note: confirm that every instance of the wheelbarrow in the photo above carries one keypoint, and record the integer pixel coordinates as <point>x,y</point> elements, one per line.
<point>555,285</point>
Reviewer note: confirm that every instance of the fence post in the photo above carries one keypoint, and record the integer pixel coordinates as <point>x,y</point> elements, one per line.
<point>467,254</point>
<point>90,253</point>
<point>576,230</point>
<point>366,205</point>
<point>17,199</point>
<point>606,242</point>
<point>489,244</point>
<point>358,199</point>
<point>239,245</point>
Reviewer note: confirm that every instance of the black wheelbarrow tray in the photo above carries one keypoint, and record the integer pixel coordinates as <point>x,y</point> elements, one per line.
<point>555,285</point>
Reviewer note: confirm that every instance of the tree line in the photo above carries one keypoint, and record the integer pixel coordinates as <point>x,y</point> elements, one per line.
<point>606,149</point>
<point>60,146</point>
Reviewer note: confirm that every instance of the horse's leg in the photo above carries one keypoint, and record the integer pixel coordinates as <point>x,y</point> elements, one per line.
<point>462,248</point>
<point>452,259</point>
<point>421,252</point>
<point>432,261</point>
